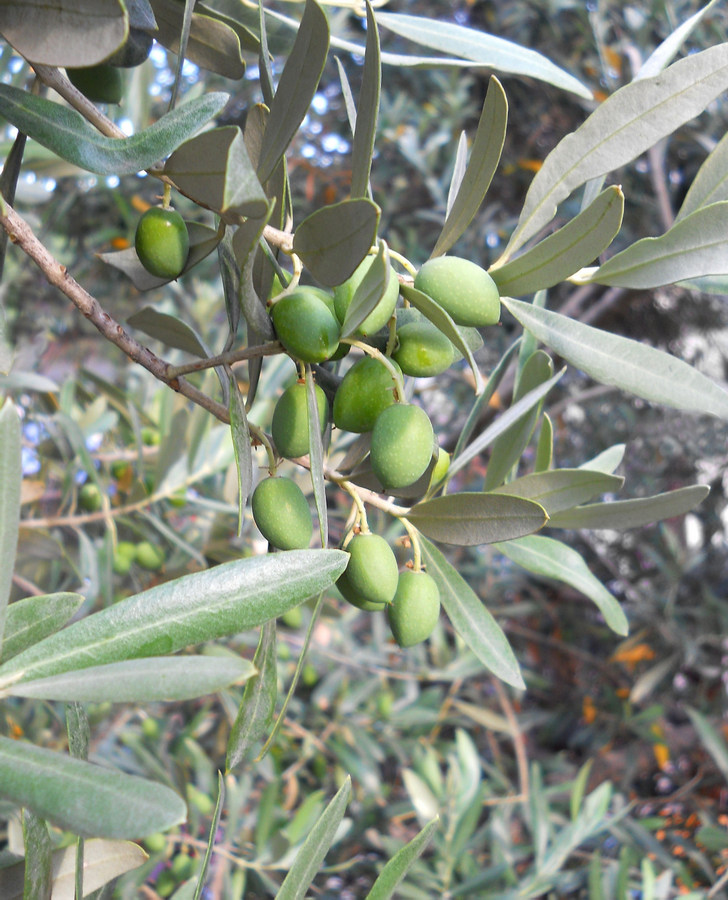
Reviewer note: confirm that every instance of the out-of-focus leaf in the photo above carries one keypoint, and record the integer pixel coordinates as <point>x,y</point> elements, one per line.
<point>84,798</point>
<point>713,742</point>
<point>140,680</point>
<point>622,514</point>
<point>559,489</point>
<point>485,49</point>
<point>470,519</point>
<point>33,618</point>
<point>622,362</point>
<point>509,446</point>
<point>693,247</point>
<point>72,33</point>
<point>259,699</point>
<point>402,861</point>
<point>710,185</point>
<point>214,169</point>
<point>203,606</point>
<point>316,456</point>
<point>333,240</point>
<point>484,158</point>
<point>240,433</point>
<point>544,446</point>
<point>10,479</point>
<point>551,559</point>
<point>629,122</point>
<point>219,805</point>
<point>469,617</point>
<point>296,87</point>
<point>661,56</point>
<point>37,867</point>
<point>566,251</point>
<point>169,330</point>
<point>367,112</point>
<point>371,290</point>
<point>69,135</point>
<point>309,858</point>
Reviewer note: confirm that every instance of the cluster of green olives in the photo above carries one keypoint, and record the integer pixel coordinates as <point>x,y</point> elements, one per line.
<point>144,554</point>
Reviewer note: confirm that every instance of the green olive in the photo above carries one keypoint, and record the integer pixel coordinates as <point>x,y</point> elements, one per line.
<point>462,288</point>
<point>282,514</point>
<point>423,350</point>
<point>306,326</point>
<point>290,420</point>
<point>382,312</point>
<point>123,557</point>
<point>365,391</point>
<point>415,609</point>
<point>371,574</point>
<point>401,445</point>
<point>162,242</point>
<point>441,467</point>
<point>89,497</point>
<point>149,556</point>
<point>101,84</point>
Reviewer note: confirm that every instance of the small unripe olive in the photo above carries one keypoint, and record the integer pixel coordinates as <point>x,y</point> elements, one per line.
<point>382,312</point>
<point>423,349</point>
<point>148,556</point>
<point>282,514</point>
<point>371,573</point>
<point>306,326</point>
<point>124,557</point>
<point>162,242</point>
<point>441,466</point>
<point>101,84</point>
<point>365,391</point>
<point>401,445</point>
<point>290,420</point>
<point>89,497</point>
<point>462,288</point>
<point>415,609</point>
<point>155,842</point>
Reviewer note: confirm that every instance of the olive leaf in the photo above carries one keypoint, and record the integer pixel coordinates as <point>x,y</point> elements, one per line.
<point>240,433</point>
<point>710,183</point>
<point>369,292</point>
<point>37,879</point>
<point>30,620</point>
<point>561,489</point>
<point>365,127</point>
<point>397,867</point>
<point>10,479</point>
<point>170,330</point>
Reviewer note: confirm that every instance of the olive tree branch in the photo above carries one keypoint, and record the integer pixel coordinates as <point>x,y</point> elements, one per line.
<point>55,273</point>
<point>223,359</point>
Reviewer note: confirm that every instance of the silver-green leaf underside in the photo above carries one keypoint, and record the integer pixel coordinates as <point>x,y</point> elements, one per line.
<point>635,513</point>
<point>10,478</point>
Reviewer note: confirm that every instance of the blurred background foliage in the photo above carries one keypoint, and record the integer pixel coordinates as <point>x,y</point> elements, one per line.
<point>427,731</point>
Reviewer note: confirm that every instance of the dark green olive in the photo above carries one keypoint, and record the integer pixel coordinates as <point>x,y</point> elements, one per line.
<point>365,391</point>
<point>290,420</point>
<point>134,52</point>
<point>423,350</point>
<point>282,514</point>
<point>162,242</point>
<point>371,574</point>
<point>462,288</point>
<point>101,84</point>
<point>401,445</point>
<point>415,609</point>
<point>306,326</point>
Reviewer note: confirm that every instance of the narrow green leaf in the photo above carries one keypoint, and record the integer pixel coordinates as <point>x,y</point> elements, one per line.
<point>69,135</point>
<point>544,446</point>
<point>666,51</point>
<point>711,739</point>
<point>622,514</point>
<point>567,250</point>
<point>607,461</point>
<point>316,456</point>
<point>710,185</point>
<point>259,699</point>
<point>203,606</point>
<point>397,867</point>
<point>333,240</point>
<point>37,845</point>
<point>219,805</point>
<point>296,88</point>
<point>471,519</point>
<point>549,558</point>
<point>78,730</point>
<point>627,124</point>
<point>170,330</point>
<point>84,798</point>
<point>76,33</point>
<point>622,362</point>
<point>309,858</point>
<point>214,169</point>
<point>484,158</point>
<point>469,617</point>
<point>484,49</point>
<point>561,489</point>
<point>371,290</point>
<point>140,680</point>
<point>10,478</point>
<point>367,112</point>
<point>240,433</point>
<point>693,247</point>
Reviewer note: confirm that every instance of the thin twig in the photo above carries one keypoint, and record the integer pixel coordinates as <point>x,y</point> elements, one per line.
<point>519,744</point>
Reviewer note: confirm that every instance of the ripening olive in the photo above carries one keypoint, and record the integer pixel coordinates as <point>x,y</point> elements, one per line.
<point>282,514</point>
<point>401,446</point>
<point>101,84</point>
<point>371,573</point>
<point>423,349</point>
<point>290,420</point>
<point>306,326</point>
<point>162,242</point>
<point>415,609</point>
<point>382,312</point>
<point>461,288</point>
<point>365,391</point>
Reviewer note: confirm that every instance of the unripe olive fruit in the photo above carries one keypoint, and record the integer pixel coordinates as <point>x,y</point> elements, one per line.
<point>148,556</point>
<point>328,299</point>
<point>462,288</point>
<point>353,597</point>
<point>415,609</point>
<point>365,391</point>
<point>89,497</point>
<point>371,573</point>
<point>401,445</point>
<point>423,350</point>
<point>382,312</point>
<point>441,466</point>
<point>155,842</point>
<point>124,557</point>
<point>290,420</point>
<point>101,84</point>
<point>162,242</point>
<point>282,514</point>
<point>306,326</point>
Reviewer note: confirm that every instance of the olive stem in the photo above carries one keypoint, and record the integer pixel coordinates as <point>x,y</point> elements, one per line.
<point>167,197</point>
<point>403,261</point>
<point>259,435</point>
<point>415,541</point>
<point>386,361</point>
<point>360,508</point>
<point>392,339</point>
<point>293,283</point>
